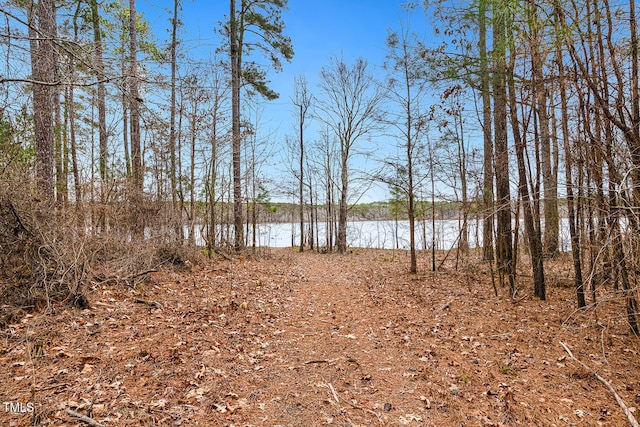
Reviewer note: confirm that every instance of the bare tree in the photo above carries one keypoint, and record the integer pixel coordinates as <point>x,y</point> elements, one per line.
<point>326,162</point>
<point>532,226</point>
<point>349,107</point>
<point>134,107</point>
<point>302,100</point>
<point>485,92</point>
<point>172,118</point>
<point>407,90</point>
<point>219,91</point>
<point>548,150</point>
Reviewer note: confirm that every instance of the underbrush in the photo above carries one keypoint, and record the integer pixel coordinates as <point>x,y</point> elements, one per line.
<point>48,258</point>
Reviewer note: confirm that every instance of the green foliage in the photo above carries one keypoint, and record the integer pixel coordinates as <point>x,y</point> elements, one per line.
<point>260,28</point>
<point>147,43</point>
<point>256,78</point>
<point>264,200</point>
<point>398,201</point>
<point>13,151</point>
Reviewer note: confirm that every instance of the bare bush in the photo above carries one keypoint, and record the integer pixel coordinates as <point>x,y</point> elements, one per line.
<point>47,257</point>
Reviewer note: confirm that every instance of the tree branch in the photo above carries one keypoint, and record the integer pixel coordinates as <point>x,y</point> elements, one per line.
<point>625,409</point>
<point>84,419</point>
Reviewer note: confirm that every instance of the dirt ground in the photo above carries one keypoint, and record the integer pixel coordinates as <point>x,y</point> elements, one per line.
<point>289,339</point>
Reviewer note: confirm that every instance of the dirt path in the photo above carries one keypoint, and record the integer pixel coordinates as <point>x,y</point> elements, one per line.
<point>308,340</point>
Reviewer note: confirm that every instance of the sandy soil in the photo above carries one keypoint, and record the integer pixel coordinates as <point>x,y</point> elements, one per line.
<point>289,339</point>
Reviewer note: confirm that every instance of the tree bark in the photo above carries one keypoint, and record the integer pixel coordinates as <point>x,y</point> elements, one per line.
<point>485,90</point>
<point>41,19</point>
<point>172,123</point>
<point>564,108</point>
<point>549,173</point>
<point>102,115</point>
<point>235,54</point>
<point>301,186</point>
<point>134,107</point>
<point>533,232</point>
<point>342,208</point>
<point>504,240</point>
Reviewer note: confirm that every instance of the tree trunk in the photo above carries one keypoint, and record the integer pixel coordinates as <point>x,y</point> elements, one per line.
<point>413,263</point>
<point>504,238</point>
<point>342,208</point>
<point>172,123</point>
<point>462,168</point>
<point>134,107</point>
<point>192,180</point>
<point>330,200</point>
<point>311,216</point>
<point>211,241</point>
<point>301,187</point>
<point>58,129</point>
<point>41,24</point>
<point>236,62</point>
<point>533,232</point>
<point>549,173</point>
<point>487,193</point>
<point>635,102</point>
<point>102,115</point>
<point>564,108</point>
<point>71,110</point>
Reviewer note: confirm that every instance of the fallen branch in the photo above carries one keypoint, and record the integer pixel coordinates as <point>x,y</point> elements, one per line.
<point>84,419</point>
<point>142,273</point>
<point>625,409</point>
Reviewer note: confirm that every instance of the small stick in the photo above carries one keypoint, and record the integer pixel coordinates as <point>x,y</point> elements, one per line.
<point>309,362</point>
<point>333,391</point>
<point>84,419</point>
<point>625,409</point>
<point>142,273</point>
<point>51,387</point>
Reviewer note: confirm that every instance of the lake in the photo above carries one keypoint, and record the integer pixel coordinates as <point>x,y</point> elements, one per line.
<point>384,234</point>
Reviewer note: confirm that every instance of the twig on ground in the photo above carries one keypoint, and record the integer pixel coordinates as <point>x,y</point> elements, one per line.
<point>142,273</point>
<point>368,411</point>
<point>51,387</point>
<point>625,409</point>
<point>310,362</point>
<point>104,304</point>
<point>84,419</point>
<point>333,391</point>
<point>501,336</point>
<point>602,332</point>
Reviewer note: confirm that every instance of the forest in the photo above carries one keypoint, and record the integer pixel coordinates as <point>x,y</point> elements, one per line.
<point>137,174</point>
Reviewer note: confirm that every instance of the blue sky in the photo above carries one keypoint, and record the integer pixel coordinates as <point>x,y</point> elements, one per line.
<point>318,29</point>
